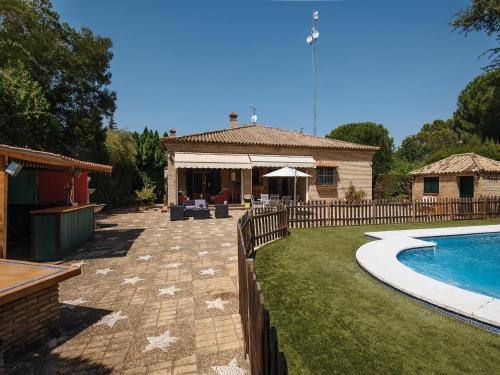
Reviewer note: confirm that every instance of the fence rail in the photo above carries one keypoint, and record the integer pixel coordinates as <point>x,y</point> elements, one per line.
<point>260,339</point>
<point>366,212</point>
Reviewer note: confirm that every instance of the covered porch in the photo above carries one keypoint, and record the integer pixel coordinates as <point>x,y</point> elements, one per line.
<point>230,177</point>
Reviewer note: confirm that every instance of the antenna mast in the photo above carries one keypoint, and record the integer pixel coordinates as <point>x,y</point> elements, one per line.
<point>311,40</point>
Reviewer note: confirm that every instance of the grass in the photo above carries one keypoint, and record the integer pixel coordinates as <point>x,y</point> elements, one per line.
<point>334,318</point>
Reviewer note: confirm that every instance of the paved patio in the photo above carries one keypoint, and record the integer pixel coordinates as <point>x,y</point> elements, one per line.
<point>154,297</point>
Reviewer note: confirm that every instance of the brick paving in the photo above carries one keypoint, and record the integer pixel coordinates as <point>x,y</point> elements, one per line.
<point>154,297</point>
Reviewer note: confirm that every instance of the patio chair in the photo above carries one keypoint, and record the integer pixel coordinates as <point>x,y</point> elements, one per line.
<point>274,202</point>
<point>264,198</point>
<point>177,212</point>
<point>221,210</point>
<point>256,204</point>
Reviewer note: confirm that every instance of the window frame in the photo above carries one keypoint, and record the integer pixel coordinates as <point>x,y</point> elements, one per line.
<point>333,175</point>
<point>428,183</point>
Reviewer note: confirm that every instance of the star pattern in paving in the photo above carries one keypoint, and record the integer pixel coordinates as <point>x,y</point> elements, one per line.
<point>170,290</point>
<point>111,319</point>
<point>131,280</point>
<point>202,253</point>
<point>173,265</point>
<point>226,244</point>
<point>209,271</point>
<point>144,257</point>
<point>216,304</point>
<point>230,369</point>
<point>104,271</point>
<point>176,247</point>
<point>72,303</point>
<point>160,342</point>
<point>78,264</point>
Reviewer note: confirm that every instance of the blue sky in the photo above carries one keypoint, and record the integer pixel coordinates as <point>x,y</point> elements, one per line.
<point>188,64</point>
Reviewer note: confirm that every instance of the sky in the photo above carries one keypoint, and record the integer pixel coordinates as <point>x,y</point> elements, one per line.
<point>188,64</point>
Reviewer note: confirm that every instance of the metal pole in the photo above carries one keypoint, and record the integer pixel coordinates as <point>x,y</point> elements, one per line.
<point>314,86</point>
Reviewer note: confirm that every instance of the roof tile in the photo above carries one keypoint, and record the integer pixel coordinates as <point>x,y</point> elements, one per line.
<point>460,163</point>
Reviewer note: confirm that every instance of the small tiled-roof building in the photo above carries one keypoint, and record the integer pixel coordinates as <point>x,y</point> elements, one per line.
<point>234,159</point>
<point>458,176</point>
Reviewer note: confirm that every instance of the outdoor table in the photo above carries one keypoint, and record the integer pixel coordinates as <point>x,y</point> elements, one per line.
<point>29,302</point>
<point>201,213</point>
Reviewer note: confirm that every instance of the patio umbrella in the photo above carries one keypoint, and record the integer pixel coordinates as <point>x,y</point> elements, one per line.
<point>289,172</point>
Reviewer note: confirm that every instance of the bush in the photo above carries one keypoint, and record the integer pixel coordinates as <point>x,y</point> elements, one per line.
<point>393,186</point>
<point>354,195</point>
<point>146,195</point>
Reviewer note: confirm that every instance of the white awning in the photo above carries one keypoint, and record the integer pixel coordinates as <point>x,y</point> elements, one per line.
<point>215,161</point>
<point>282,161</point>
<point>286,172</point>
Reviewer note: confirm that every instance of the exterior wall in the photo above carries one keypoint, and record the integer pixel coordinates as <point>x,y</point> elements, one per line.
<point>488,185</point>
<point>29,320</point>
<point>353,166</point>
<point>448,187</point>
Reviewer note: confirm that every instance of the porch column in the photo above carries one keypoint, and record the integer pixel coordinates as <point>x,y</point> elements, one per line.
<point>241,186</point>
<point>307,189</point>
<point>171,179</point>
<point>4,184</point>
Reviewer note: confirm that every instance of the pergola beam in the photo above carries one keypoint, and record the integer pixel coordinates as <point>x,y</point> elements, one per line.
<point>4,185</point>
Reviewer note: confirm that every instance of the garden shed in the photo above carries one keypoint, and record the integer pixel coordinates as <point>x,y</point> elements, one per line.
<point>458,176</point>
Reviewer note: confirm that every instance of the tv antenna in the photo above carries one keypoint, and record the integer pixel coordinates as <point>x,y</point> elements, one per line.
<point>311,40</point>
<point>253,119</point>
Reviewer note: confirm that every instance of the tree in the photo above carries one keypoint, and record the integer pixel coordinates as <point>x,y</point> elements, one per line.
<point>150,160</point>
<point>369,133</point>
<point>481,15</point>
<point>117,189</point>
<point>25,119</point>
<point>432,137</point>
<point>478,107</point>
<point>71,68</point>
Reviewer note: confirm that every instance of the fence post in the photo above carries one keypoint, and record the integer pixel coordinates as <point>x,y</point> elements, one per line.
<point>413,210</point>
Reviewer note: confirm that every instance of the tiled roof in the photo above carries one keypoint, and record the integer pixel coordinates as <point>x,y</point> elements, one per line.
<point>460,163</point>
<point>44,158</point>
<point>265,136</point>
<point>326,163</point>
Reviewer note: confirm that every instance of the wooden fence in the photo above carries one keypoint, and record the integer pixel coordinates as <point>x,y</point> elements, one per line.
<point>260,339</point>
<point>365,212</point>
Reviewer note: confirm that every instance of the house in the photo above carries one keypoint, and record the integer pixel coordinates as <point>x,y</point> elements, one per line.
<point>230,163</point>
<point>458,176</point>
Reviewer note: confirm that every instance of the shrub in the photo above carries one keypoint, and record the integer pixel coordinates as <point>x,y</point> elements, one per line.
<point>354,195</point>
<point>146,195</point>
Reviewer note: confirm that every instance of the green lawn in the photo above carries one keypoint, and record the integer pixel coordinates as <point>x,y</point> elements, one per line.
<point>333,318</point>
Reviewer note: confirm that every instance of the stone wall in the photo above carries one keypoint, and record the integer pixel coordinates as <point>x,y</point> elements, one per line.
<point>353,166</point>
<point>29,320</point>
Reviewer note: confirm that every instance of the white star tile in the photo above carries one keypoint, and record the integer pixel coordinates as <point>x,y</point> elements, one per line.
<point>176,247</point>
<point>170,290</point>
<point>145,257</point>
<point>131,280</point>
<point>202,253</point>
<point>104,271</point>
<point>70,304</point>
<point>230,369</point>
<point>78,264</point>
<point>226,244</point>
<point>111,319</point>
<point>208,271</point>
<point>173,265</point>
<point>160,342</point>
<point>216,304</point>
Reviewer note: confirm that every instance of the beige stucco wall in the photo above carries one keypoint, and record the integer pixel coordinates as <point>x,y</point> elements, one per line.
<point>352,166</point>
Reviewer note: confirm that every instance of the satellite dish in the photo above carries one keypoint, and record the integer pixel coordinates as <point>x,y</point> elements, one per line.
<point>309,39</point>
<point>254,119</point>
<point>315,34</point>
<point>316,15</point>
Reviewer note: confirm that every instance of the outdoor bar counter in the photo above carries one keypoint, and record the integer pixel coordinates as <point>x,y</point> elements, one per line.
<point>29,303</point>
<point>58,231</point>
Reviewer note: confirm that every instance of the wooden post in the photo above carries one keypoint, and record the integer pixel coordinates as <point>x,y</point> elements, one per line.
<point>4,185</point>
<point>413,210</point>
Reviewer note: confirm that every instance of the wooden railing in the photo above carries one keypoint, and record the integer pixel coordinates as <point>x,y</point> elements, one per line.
<point>366,212</point>
<point>260,339</point>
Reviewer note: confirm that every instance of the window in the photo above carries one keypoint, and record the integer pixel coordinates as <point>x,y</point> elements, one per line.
<point>431,185</point>
<point>326,176</point>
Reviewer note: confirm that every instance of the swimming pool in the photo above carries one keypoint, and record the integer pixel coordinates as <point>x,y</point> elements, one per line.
<point>470,262</point>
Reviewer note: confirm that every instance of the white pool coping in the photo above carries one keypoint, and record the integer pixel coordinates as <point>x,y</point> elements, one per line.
<point>379,258</point>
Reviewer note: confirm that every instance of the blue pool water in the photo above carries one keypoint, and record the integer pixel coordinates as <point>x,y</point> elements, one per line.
<point>469,262</point>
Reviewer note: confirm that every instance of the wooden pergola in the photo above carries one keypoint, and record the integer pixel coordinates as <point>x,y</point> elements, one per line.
<point>39,160</point>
